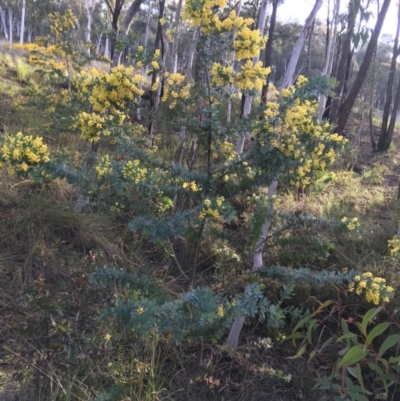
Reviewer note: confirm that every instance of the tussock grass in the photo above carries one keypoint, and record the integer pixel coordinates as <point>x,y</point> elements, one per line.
<point>22,69</point>
<point>40,229</point>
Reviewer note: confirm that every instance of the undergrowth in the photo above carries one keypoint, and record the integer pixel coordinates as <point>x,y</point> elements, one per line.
<point>59,332</point>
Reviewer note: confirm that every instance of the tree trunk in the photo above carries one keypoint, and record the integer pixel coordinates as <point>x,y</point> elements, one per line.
<point>174,52</point>
<point>362,73</point>
<point>330,53</point>
<point>89,15</point>
<point>268,48</point>
<point>155,95</point>
<point>382,145</point>
<point>10,21</point>
<point>142,70</point>
<point>354,7</point>
<point>299,44</point>
<point>3,19</point>
<point>126,23</point>
<point>395,110</point>
<point>309,50</point>
<point>22,29</point>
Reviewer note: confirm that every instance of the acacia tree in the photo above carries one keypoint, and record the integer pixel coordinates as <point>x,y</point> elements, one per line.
<point>233,337</point>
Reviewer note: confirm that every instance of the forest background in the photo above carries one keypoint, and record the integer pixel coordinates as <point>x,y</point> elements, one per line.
<point>199,201</point>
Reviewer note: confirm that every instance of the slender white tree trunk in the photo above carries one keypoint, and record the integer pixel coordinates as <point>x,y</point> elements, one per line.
<point>330,55</point>
<point>22,29</point>
<point>176,35</point>
<point>299,44</point>
<point>192,49</point>
<point>10,21</point>
<point>233,337</point>
<point>143,69</point>
<point>4,23</point>
<point>89,16</point>
<point>98,45</point>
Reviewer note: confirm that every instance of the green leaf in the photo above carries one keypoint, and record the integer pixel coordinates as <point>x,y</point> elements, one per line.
<point>310,328</point>
<point>321,307</point>
<point>300,352</point>
<point>376,331</point>
<point>394,359</point>
<point>368,318</point>
<point>376,367</point>
<point>302,323</point>
<point>357,396</point>
<point>353,355</point>
<point>312,354</point>
<point>326,343</point>
<point>389,343</point>
<point>348,335</point>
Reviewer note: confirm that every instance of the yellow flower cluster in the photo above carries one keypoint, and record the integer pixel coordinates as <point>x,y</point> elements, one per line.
<point>47,58</point>
<point>92,125</point>
<point>110,91</point>
<point>192,186</point>
<point>62,23</point>
<point>154,62</point>
<point>394,246</point>
<point>220,75</point>
<point>251,76</point>
<point>208,211</point>
<point>351,224</point>
<point>203,13</point>
<point>232,22</point>
<point>248,43</point>
<point>200,13</point>
<point>175,88</point>
<point>296,134</point>
<point>133,172</point>
<point>375,288</point>
<point>20,152</point>
<point>220,311</point>
<point>103,167</point>
<point>223,151</point>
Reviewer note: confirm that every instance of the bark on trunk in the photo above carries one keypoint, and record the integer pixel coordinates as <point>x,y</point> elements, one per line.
<point>268,48</point>
<point>126,23</point>
<point>395,110</point>
<point>354,7</point>
<point>299,44</point>
<point>382,145</point>
<point>22,29</point>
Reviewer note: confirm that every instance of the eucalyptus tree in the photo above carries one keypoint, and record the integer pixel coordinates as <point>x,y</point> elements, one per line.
<point>385,137</point>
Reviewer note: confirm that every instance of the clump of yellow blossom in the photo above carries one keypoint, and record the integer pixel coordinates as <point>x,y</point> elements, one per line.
<point>251,76</point>
<point>292,130</point>
<point>103,167</point>
<point>132,171</point>
<point>212,208</point>
<point>192,186</point>
<point>20,152</point>
<point>175,88</point>
<point>394,246</point>
<point>112,91</point>
<point>374,288</point>
<point>248,43</point>
<point>351,224</point>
